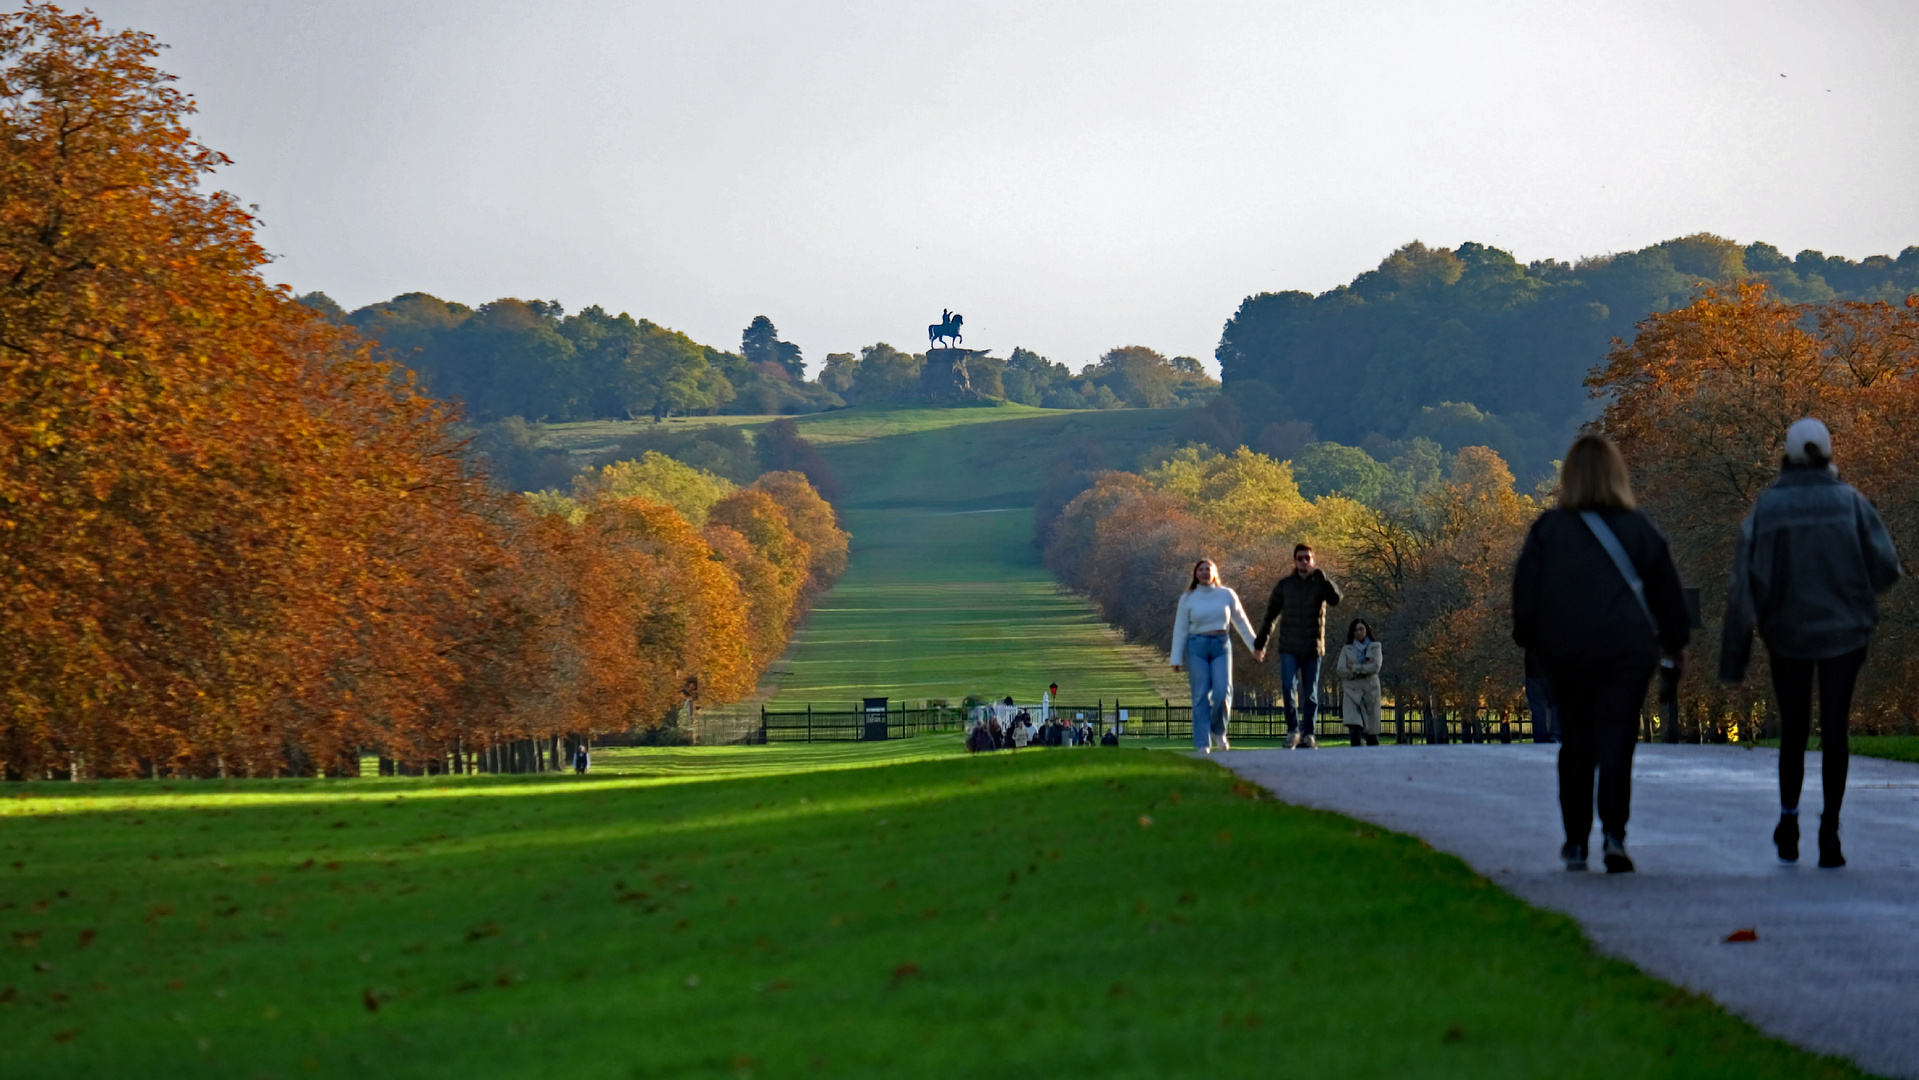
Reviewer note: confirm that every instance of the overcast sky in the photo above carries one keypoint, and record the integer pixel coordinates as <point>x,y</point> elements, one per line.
<point>1071,177</point>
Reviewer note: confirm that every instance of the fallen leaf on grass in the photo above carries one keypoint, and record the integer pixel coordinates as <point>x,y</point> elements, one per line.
<point>86,938</point>
<point>8,996</point>
<point>484,930</point>
<point>1744,933</point>
<point>1146,821</point>
<point>370,1000</point>
<point>905,971</point>
<point>66,1035</point>
<point>1453,1034</point>
<point>26,939</point>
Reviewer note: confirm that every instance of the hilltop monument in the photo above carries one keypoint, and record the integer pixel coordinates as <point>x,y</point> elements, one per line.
<point>945,378</point>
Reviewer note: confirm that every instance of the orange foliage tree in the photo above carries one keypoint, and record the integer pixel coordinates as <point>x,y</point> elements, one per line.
<point>233,543</point>
<point>1699,401</point>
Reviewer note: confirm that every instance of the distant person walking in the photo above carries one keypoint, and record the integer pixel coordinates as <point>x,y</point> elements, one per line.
<point>1298,604</point>
<point>1358,671</point>
<point>1597,598</point>
<point>581,759</point>
<point>1813,557</point>
<point>1207,612</point>
<point>1539,701</point>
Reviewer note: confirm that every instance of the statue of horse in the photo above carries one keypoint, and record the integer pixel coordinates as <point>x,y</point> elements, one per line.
<point>949,330</point>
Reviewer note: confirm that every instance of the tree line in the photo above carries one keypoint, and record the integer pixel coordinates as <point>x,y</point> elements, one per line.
<point>236,542</point>
<point>1699,399</point>
<point>1468,346</point>
<point>532,360</point>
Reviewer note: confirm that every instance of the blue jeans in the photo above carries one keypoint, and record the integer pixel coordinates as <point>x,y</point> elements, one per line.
<point>1304,667</point>
<point>1539,701</point>
<point>1209,668</point>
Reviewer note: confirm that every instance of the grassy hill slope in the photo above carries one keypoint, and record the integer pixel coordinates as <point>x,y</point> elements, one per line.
<point>945,595</point>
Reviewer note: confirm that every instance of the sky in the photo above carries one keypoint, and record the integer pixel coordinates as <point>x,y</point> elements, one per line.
<point>1070,177</point>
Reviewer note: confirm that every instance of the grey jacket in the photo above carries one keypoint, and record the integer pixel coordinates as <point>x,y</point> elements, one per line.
<point>1813,556</point>
<point>1359,663</point>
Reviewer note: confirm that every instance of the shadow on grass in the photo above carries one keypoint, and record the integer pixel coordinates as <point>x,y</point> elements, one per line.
<point>1036,913</point>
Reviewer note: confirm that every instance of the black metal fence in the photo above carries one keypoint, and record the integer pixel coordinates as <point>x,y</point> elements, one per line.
<point>1254,716</point>
<point>854,723</point>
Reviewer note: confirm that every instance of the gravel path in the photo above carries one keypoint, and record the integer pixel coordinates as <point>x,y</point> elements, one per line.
<point>1836,965</point>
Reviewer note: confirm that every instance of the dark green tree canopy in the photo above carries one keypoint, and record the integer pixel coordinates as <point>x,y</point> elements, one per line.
<point>760,343</point>
<point>1469,344</point>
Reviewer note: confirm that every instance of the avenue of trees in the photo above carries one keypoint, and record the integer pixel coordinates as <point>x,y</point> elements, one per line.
<point>1467,346</point>
<point>1699,398</point>
<point>234,541</point>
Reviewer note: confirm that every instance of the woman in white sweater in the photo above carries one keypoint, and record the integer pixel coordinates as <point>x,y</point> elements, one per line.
<point>1201,645</point>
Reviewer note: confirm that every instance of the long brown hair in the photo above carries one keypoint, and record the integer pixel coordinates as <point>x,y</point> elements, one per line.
<point>1212,573</point>
<point>1594,477</point>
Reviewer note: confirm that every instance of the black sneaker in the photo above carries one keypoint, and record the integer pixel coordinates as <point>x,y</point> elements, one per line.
<point>1830,857</point>
<point>1785,836</point>
<point>1617,862</point>
<point>1573,855</point>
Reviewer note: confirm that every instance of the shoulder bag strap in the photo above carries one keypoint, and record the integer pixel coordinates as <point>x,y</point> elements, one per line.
<point>1604,534</point>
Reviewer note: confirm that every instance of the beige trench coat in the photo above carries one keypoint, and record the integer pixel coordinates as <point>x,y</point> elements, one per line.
<point>1358,671</point>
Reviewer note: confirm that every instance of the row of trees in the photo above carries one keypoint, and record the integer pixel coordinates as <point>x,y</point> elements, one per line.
<point>1699,400</point>
<point>1133,376</point>
<point>1467,346</point>
<point>1430,572</point>
<point>517,358</point>
<point>232,542</point>
<point>529,358</point>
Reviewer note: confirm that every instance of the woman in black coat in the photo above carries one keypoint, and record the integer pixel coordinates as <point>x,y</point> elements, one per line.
<point>1600,629</point>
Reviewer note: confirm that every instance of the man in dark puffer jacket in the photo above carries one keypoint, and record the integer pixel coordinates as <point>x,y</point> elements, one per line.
<point>1298,604</point>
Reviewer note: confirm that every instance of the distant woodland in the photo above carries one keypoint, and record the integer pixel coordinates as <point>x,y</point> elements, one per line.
<point>530,359</point>
<point>1469,347</point>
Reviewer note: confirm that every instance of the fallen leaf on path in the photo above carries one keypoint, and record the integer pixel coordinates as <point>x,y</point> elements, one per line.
<point>1744,933</point>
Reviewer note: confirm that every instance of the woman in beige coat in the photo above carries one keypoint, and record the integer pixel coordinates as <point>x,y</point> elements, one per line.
<point>1358,671</point>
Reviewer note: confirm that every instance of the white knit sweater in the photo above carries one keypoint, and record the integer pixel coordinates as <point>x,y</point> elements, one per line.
<point>1208,610</point>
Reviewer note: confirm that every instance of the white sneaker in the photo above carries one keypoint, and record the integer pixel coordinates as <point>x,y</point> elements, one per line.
<point>1292,741</point>
<point>1209,749</point>
<point>1223,744</point>
<point>1311,743</point>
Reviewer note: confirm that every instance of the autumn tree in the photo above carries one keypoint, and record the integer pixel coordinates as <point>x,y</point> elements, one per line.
<point>1699,401</point>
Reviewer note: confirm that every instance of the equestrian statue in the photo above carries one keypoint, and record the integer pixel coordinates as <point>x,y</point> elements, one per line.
<point>947,329</point>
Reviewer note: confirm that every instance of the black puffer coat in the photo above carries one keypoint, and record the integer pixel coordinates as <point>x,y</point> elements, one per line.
<point>1299,605</point>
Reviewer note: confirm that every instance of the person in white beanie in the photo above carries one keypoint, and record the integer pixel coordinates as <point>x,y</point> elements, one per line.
<point>1813,558</point>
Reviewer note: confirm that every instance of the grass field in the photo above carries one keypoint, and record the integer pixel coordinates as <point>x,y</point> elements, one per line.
<point>945,595</point>
<point>795,911</point>
<point>1891,747</point>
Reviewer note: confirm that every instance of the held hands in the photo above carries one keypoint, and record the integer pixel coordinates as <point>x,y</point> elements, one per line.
<point>1259,654</point>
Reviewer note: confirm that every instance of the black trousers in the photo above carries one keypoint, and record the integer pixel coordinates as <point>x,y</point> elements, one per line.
<point>1792,682</point>
<point>1598,725</point>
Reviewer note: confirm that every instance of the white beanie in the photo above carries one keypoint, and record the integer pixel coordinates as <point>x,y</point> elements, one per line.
<point>1804,433</point>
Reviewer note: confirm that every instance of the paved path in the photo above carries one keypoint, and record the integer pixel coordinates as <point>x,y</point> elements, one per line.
<point>1836,966</point>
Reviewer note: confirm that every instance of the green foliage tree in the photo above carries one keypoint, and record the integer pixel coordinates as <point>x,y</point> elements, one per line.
<point>1327,468</point>
<point>760,343</point>
<point>656,478</point>
<point>885,373</point>
<point>1431,326</point>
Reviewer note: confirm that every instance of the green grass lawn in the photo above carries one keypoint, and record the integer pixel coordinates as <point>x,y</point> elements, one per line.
<point>1891,747</point>
<point>885,911</point>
